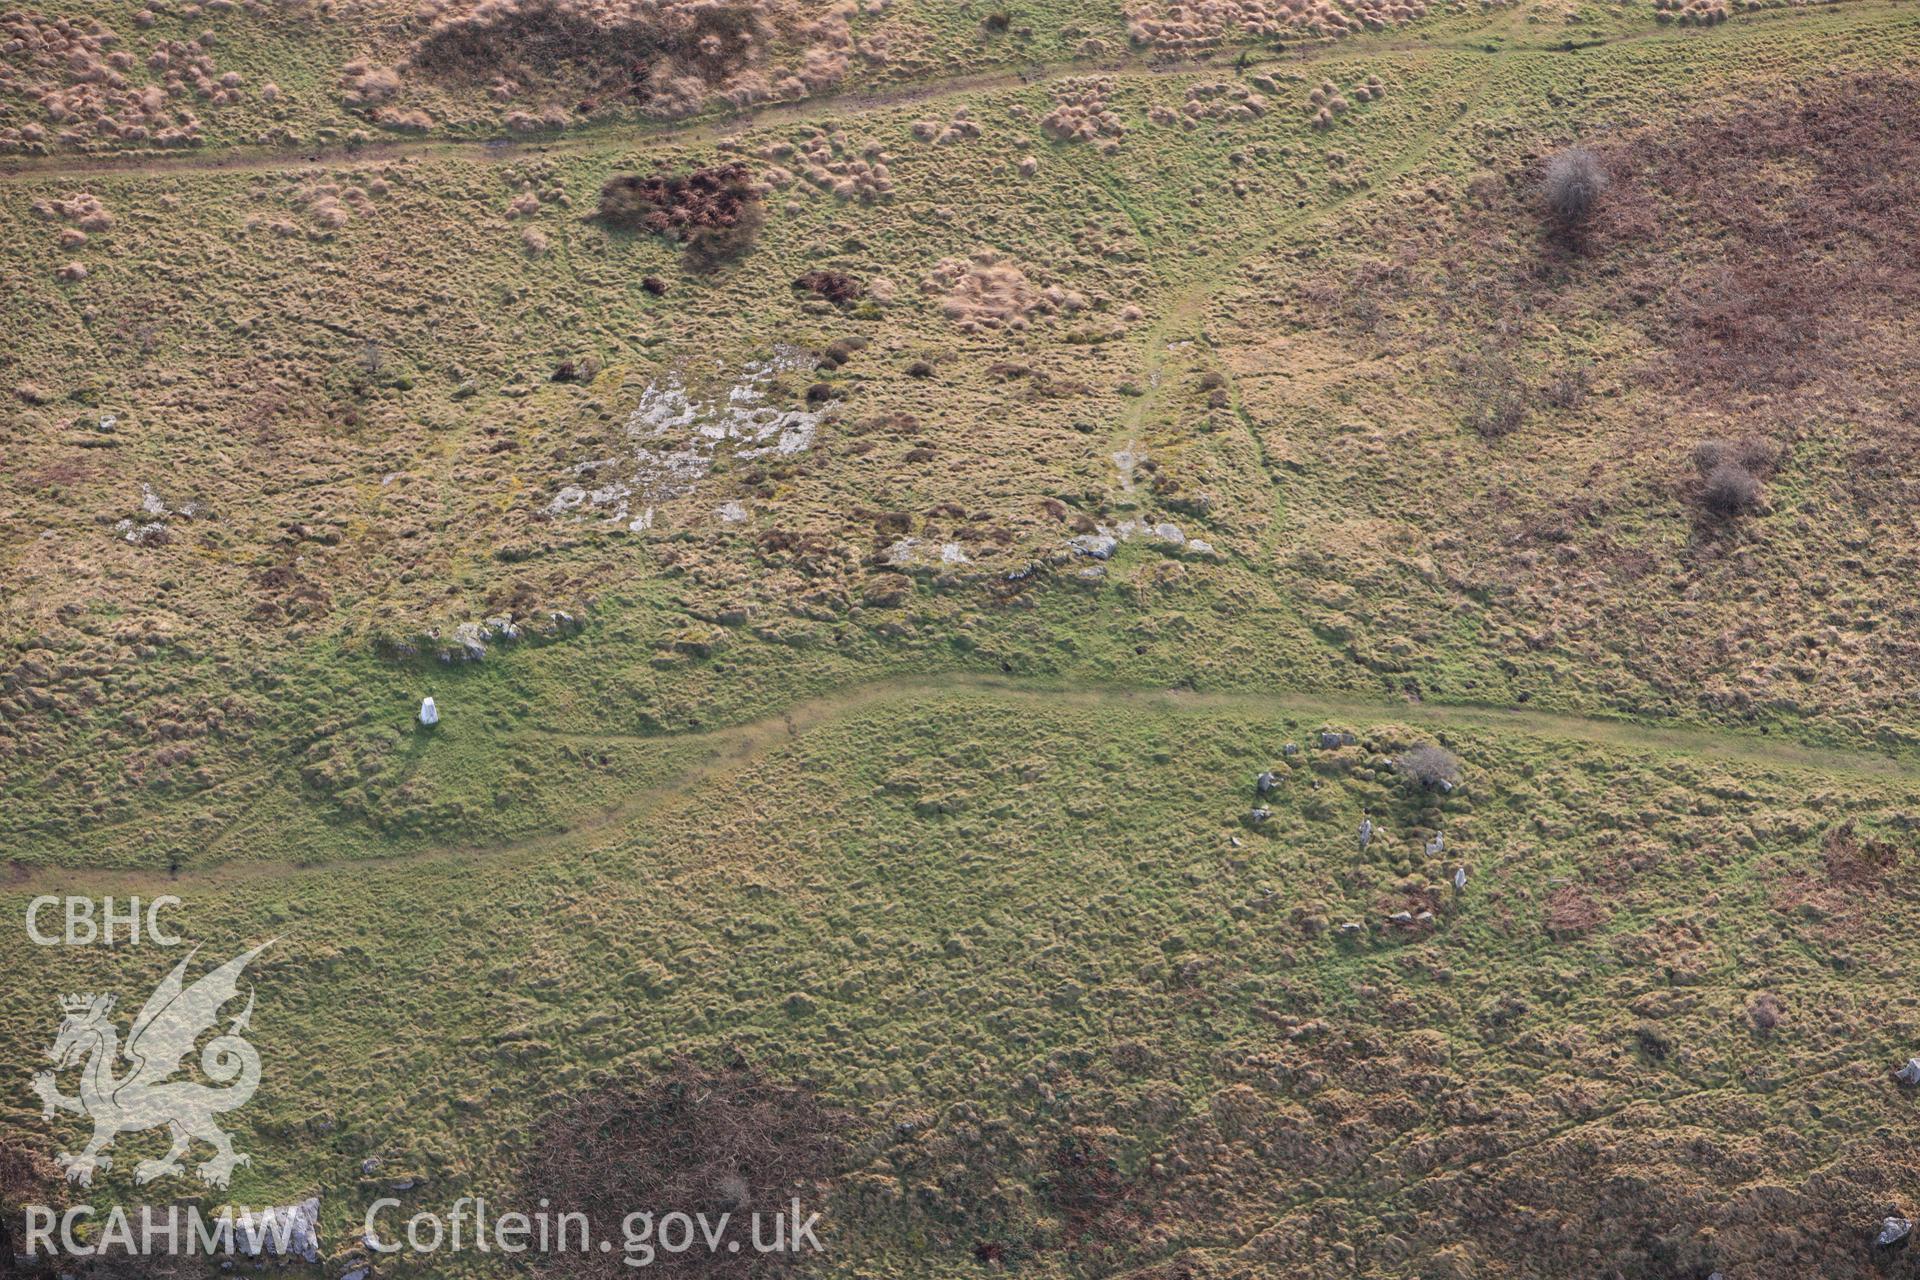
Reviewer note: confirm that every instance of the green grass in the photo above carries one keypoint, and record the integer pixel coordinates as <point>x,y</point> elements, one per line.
<point>975,889</point>
<point>987,832</point>
<point>239,365</point>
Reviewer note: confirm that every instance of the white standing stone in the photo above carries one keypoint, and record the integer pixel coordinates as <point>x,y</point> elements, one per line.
<point>429,714</point>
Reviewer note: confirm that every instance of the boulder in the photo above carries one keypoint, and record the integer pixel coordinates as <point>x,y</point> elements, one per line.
<point>469,643</point>
<point>288,1231</point>
<point>1892,1231</point>
<point>429,714</point>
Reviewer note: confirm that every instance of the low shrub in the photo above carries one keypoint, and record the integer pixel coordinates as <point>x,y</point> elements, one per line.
<point>1730,490</point>
<point>1730,473</point>
<point>716,212</point>
<point>1432,767</point>
<point>1574,185</point>
<point>1497,396</point>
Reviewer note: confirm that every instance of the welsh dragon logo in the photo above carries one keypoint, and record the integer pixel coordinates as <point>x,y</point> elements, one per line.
<point>146,1096</point>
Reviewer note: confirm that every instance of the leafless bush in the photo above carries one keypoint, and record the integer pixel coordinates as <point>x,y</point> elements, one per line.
<point>1730,472</point>
<point>1497,396</point>
<point>1730,490</point>
<point>1566,389</point>
<point>709,247</point>
<point>836,287</point>
<point>1430,766</point>
<point>1574,184</point>
<point>1750,452</point>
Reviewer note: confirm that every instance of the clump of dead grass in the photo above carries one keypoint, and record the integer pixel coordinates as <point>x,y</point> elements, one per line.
<point>987,291</point>
<point>1221,100</point>
<point>1731,472</point>
<point>1203,24</point>
<point>962,127</point>
<point>85,80</point>
<point>673,57</point>
<point>831,162</point>
<point>1081,114</point>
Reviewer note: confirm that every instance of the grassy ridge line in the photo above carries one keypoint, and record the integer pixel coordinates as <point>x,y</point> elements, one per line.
<point>1135,62</point>
<point>733,749</point>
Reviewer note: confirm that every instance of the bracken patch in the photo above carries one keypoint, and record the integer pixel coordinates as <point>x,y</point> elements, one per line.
<point>691,1139</point>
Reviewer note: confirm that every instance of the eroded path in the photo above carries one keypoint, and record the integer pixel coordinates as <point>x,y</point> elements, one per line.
<point>733,751</point>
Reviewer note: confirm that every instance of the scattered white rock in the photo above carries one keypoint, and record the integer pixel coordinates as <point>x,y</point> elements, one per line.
<point>676,435</point>
<point>153,533</point>
<point>1165,533</point>
<point>468,641</point>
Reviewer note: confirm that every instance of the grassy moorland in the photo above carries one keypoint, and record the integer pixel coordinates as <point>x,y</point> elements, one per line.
<point>859,613</point>
<point>991,926</point>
